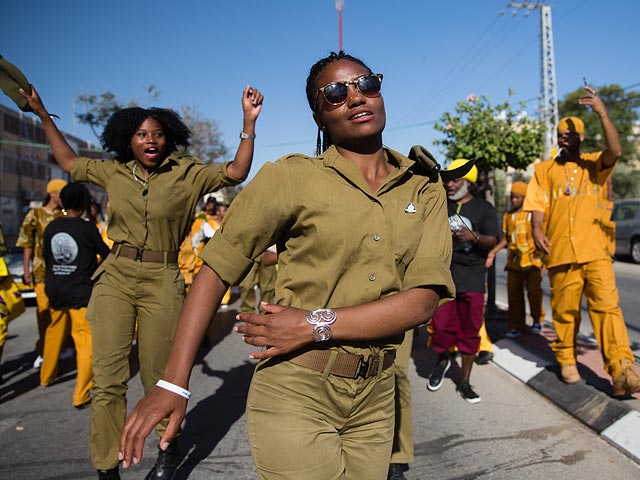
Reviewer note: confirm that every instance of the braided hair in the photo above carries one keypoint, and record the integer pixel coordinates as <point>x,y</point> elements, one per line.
<point>323,141</point>
<point>123,124</point>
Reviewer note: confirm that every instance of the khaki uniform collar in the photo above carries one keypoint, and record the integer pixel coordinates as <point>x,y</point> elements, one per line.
<point>332,159</point>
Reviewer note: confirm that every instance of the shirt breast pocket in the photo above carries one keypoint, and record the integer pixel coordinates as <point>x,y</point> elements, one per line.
<point>408,226</point>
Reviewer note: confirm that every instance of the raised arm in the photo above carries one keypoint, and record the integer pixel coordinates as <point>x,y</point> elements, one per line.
<point>614,149</point>
<point>251,106</point>
<point>62,151</point>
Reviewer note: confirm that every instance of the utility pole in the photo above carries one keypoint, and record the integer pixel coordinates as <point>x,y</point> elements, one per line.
<point>548,85</point>
<point>339,7</point>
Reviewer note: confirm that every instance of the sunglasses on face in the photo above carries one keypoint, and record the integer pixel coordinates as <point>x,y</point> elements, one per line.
<point>336,93</point>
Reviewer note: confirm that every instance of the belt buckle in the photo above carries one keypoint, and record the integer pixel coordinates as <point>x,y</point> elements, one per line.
<point>368,366</point>
<point>138,255</point>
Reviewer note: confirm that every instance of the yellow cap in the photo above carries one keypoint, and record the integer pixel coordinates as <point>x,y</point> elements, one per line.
<point>56,185</point>
<point>519,188</point>
<point>472,175</point>
<point>573,124</point>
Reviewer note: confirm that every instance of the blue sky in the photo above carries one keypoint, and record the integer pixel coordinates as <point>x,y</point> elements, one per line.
<point>203,53</point>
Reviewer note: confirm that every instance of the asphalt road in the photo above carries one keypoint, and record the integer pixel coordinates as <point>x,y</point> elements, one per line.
<point>514,433</point>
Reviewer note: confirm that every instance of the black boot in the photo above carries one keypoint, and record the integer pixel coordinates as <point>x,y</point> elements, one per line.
<point>111,474</point>
<point>166,464</point>
<point>396,471</point>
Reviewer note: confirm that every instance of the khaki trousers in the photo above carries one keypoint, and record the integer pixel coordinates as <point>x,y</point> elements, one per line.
<point>43,315</point>
<point>517,282</point>
<point>62,322</point>
<point>128,290</point>
<point>597,281</point>
<point>304,424</point>
<point>402,451</point>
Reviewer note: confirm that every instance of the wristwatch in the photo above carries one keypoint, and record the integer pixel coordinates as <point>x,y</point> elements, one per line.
<point>321,319</point>
<point>250,136</point>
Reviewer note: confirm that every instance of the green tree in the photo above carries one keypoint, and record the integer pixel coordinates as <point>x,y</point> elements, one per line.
<point>206,142</point>
<point>497,137</point>
<point>623,110</point>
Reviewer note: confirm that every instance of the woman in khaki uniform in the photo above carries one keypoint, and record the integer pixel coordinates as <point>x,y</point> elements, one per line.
<point>152,193</point>
<point>363,255</point>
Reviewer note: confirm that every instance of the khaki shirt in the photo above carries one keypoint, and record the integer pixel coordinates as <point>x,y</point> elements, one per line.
<point>339,244</point>
<point>154,216</point>
<point>31,236</point>
<point>578,224</point>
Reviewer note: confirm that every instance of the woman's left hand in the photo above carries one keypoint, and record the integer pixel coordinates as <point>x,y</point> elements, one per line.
<point>281,330</point>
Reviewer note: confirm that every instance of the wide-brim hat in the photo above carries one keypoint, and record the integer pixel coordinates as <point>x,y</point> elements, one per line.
<point>12,80</point>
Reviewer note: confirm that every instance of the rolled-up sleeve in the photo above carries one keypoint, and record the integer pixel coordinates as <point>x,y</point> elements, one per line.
<point>253,222</point>
<point>430,266</point>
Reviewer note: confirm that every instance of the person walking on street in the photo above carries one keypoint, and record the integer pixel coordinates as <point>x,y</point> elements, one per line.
<point>71,246</point>
<point>474,226</point>
<point>30,240</point>
<point>152,191</point>
<point>571,222</point>
<point>363,256</point>
<point>524,267</point>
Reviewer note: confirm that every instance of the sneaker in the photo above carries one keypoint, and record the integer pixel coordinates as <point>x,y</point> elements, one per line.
<point>628,382</point>
<point>466,391</point>
<point>396,471</point>
<point>535,328</point>
<point>569,373</point>
<point>483,357</point>
<point>513,333</point>
<point>37,363</point>
<point>436,377</point>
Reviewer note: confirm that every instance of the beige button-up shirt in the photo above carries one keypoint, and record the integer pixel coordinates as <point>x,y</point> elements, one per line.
<point>339,243</point>
<point>152,215</point>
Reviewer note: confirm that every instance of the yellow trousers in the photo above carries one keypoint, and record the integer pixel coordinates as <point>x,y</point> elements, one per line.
<point>402,451</point>
<point>485,341</point>
<point>597,281</point>
<point>43,315</point>
<point>63,322</point>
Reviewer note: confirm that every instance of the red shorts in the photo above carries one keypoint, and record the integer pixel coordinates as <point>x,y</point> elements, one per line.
<point>457,323</point>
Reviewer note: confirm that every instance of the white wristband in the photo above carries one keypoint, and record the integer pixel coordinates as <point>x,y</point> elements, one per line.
<point>183,392</point>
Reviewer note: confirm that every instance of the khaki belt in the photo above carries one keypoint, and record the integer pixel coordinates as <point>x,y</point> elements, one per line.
<point>132,253</point>
<point>346,365</point>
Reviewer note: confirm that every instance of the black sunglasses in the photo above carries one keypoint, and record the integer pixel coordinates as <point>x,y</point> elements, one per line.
<point>336,93</point>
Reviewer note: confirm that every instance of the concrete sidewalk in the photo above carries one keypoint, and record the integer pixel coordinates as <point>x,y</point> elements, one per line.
<point>530,359</point>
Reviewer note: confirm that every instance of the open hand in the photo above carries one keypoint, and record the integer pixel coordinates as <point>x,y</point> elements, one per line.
<point>35,102</point>
<point>156,405</point>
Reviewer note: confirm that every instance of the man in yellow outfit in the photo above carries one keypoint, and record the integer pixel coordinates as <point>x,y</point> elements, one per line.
<point>571,225</point>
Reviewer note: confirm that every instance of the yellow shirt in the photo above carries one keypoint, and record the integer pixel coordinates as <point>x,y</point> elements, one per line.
<point>577,212</point>
<point>339,244</point>
<point>31,236</point>
<point>155,215</point>
<point>516,228</point>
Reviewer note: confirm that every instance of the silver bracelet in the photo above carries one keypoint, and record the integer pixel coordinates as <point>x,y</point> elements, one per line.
<point>321,319</point>
<point>183,392</point>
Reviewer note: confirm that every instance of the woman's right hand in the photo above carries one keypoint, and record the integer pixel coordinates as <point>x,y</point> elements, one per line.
<point>35,102</point>
<point>156,405</point>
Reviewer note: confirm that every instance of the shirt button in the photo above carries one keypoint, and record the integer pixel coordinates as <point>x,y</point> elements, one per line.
<point>376,237</point>
<point>372,277</point>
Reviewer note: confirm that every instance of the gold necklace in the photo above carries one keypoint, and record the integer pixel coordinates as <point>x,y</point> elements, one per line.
<point>142,182</point>
<point>569,181</point>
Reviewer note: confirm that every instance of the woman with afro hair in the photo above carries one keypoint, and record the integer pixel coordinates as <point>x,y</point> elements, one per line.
<point>363,256</point>
<point>153,188</point>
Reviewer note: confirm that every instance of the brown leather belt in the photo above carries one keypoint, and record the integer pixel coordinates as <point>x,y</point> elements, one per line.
<point>154,256</point>
<point>346,365</point>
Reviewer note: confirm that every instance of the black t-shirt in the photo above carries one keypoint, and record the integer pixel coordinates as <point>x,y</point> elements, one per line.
<point>70,248</point>
<point>467,262</point>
